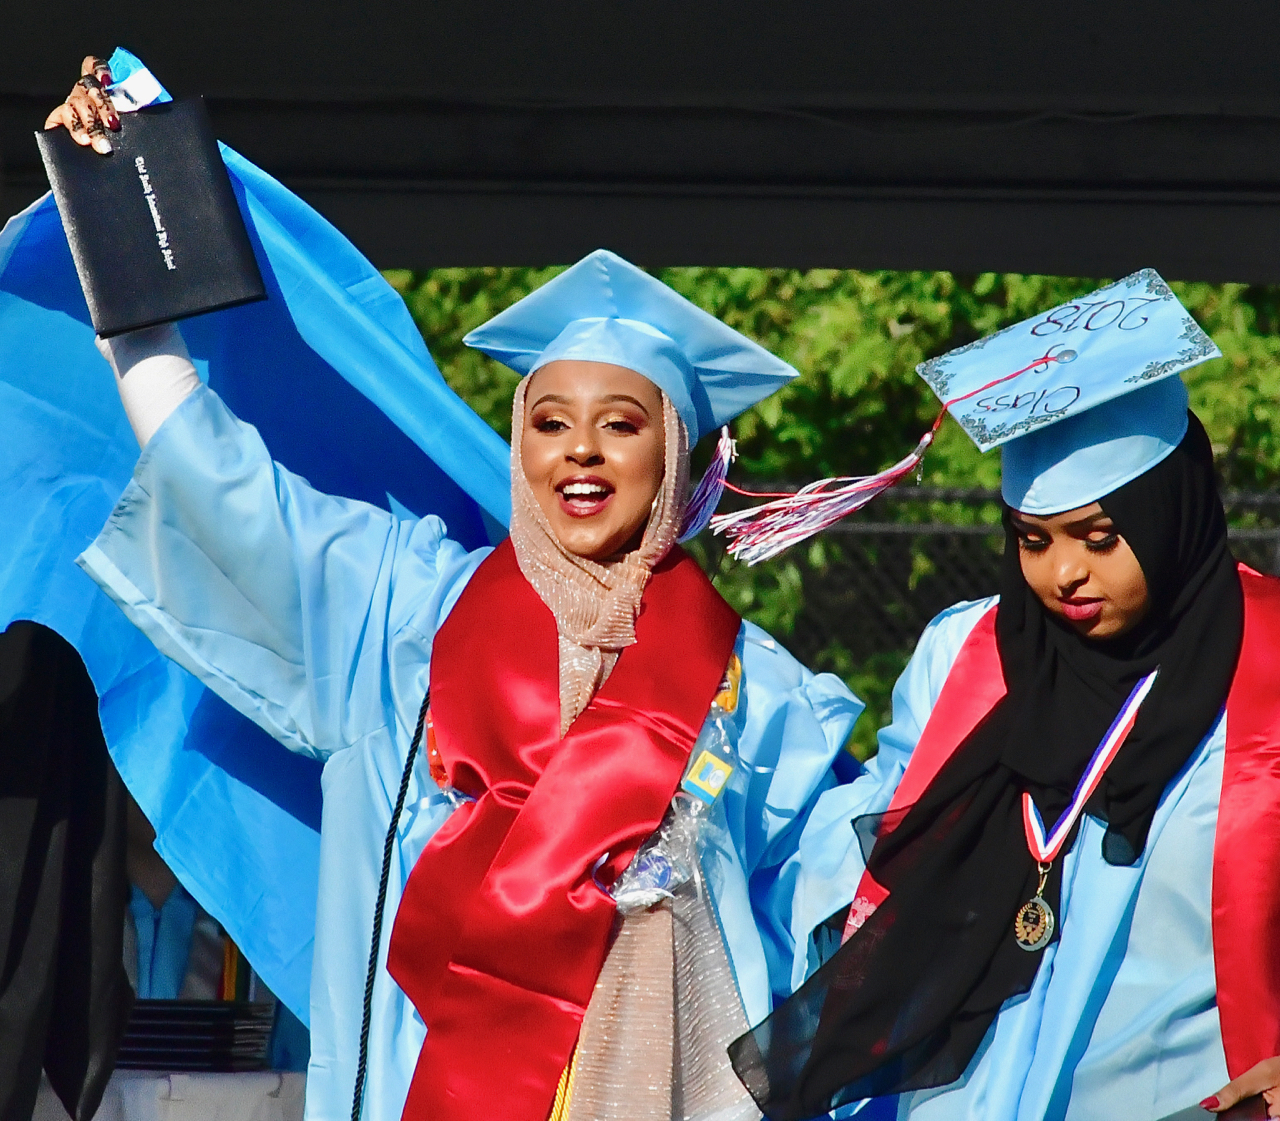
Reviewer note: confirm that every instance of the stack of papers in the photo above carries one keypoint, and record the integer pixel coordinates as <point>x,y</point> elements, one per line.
<point>197,1035</point>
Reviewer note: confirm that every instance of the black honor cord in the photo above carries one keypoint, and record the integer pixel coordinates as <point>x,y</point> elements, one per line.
<point>357,1098</point>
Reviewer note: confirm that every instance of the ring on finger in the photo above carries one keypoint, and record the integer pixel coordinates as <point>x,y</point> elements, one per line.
<point>102,101</point>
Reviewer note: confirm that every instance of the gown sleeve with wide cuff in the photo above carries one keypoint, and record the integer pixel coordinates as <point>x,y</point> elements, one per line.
<point>314,617</point>
<point>830,861</point>
<point>295,607</point>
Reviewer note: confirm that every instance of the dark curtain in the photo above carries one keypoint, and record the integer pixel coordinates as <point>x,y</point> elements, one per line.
<point>64,997</point>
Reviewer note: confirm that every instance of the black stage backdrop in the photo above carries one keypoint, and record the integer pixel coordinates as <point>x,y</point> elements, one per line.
<point>1086,138</point>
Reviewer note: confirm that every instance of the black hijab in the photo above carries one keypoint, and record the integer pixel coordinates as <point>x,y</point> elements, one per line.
<point>905,1003</point>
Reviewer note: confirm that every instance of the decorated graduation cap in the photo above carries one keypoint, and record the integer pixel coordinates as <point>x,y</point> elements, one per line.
<point>1080,399</point>
<point>605,309</point>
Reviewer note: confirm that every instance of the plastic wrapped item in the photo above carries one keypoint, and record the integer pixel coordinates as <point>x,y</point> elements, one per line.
<point>665,861</point>
<point>714,757</point>
<point>711,762</point>
<point>455,797</point>
<point>669,858</point>
<point>654,1042</point>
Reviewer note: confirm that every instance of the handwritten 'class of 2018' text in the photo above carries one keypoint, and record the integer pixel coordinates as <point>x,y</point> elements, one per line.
<point>1096,315</point>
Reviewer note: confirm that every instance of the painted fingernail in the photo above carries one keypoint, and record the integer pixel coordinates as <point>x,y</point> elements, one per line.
<point>102,145</point>
<point>1208,1103</point>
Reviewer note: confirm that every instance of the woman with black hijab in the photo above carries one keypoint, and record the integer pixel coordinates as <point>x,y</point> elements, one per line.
<point>1064,864</point>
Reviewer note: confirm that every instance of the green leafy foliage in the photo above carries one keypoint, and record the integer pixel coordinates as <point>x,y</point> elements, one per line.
<point>856,338</point>
<point>446,304</point>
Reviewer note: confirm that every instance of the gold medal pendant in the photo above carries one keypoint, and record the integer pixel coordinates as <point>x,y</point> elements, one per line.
<point>1033,925</point>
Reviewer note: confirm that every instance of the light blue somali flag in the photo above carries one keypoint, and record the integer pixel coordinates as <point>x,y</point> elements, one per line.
<point>1068,359</point>
<point>334,374</point>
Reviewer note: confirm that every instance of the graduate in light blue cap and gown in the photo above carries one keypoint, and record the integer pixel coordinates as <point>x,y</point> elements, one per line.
<point>578,675</point>
<point>334,374</point>
<point>1054,889</point>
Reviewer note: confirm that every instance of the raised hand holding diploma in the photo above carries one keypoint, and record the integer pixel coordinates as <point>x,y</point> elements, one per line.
<point>88,113</point>
<point>155,228</point>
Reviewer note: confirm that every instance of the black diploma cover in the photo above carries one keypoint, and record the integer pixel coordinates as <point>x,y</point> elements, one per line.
<point>154,228</point>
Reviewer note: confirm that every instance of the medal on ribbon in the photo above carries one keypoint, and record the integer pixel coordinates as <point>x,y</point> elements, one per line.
<point>1034,923</point>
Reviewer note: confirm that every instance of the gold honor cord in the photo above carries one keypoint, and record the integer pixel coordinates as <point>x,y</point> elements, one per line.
<point>564,1092</point>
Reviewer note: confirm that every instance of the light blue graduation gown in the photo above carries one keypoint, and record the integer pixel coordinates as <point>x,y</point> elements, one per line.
<point>335,374</point>
<point>314,616</point>
<point>1122,1020</point>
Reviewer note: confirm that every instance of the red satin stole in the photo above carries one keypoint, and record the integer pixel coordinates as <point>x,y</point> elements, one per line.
<point>1246,851</point>
<point>502,930</point>
<point>974,685</point>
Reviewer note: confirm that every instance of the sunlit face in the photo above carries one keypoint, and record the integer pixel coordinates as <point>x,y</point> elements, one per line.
<point>593,451</point>
<point>1082,570</point>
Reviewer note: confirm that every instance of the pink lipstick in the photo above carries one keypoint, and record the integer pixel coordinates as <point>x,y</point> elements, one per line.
<point>584,496</point>
<point>1079,609</point>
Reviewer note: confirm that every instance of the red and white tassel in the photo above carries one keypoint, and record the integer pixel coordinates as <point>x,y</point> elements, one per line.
<point>762,532</point>
<point>705,499</point>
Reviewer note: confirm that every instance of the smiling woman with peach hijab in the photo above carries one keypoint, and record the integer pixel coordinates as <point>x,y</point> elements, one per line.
<point>588,883</point>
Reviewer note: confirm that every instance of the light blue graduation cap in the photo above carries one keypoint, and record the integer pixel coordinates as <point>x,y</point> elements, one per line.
<point>1082,398</point>
<point>605,309</point>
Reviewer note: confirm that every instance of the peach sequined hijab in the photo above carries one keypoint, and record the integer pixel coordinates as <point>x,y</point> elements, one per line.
<point>594,604</point>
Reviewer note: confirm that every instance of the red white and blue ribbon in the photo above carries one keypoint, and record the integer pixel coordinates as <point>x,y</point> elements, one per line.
<point>1045,849</point>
